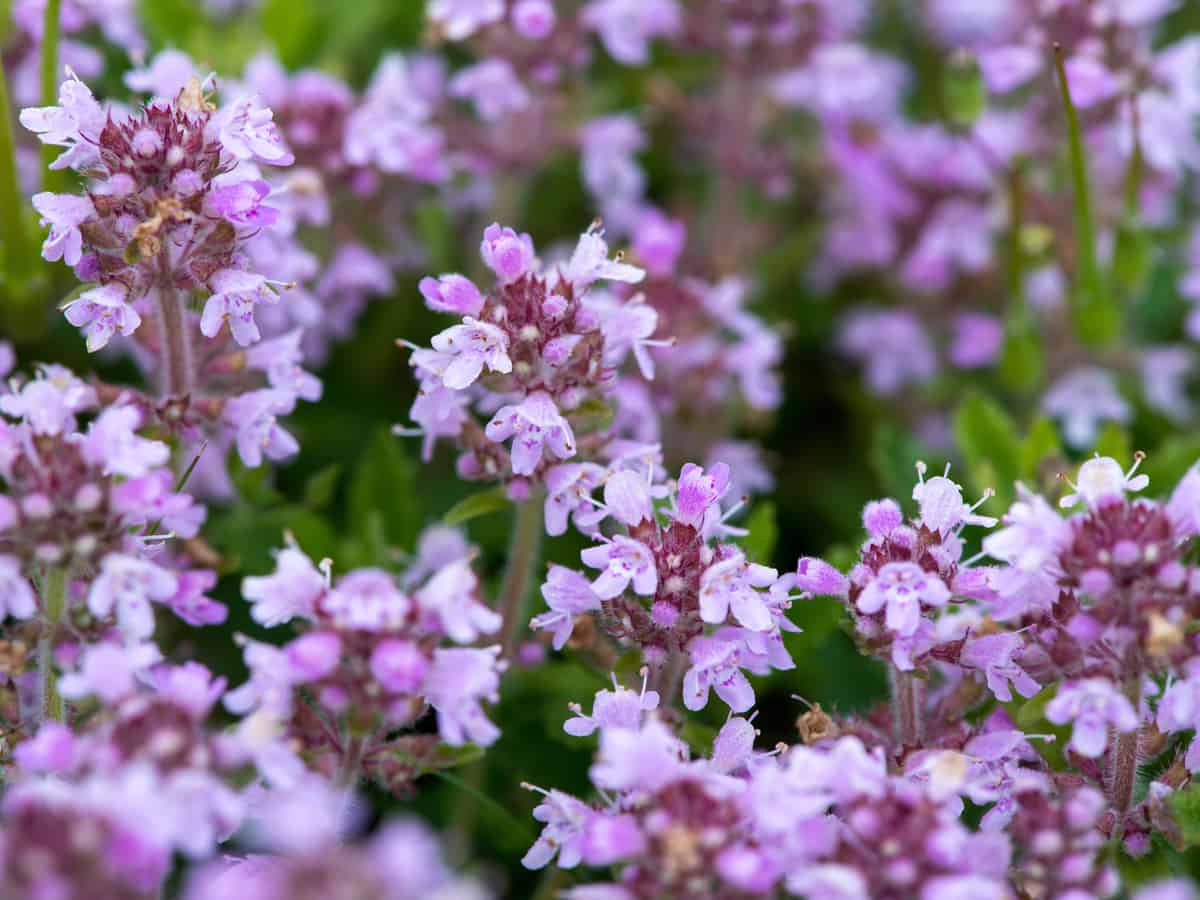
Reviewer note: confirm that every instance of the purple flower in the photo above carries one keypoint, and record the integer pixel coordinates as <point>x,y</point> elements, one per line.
<point>659,241</point>
<point>108,671</point>
<point>52,749</point>
<point>1102,478</point>
<point>1081,400</point>
<point>590,263</point>
<point>64,213</point>
<point>368,600</point>
<point>127,585</point>
<point>568,594</point>
<point>1008,67</point>
<point>993,656</point>
<point>977,340</point>
<point>564,818</point>
<point>75,123</point>
<point>235,295</point>
<point>465,349</point>
<point>618,708</point>
<point>697,491</point>
<point>451,294</point>
<point>279,358</point>
<point>241,204</point>
<point>1090,80</point>
<point>568,494</point>
<point>730,585</point>
<point>459,19</point>
<point>253,417</point>
<point>942,507</point>
<point>16,595</point>
<point>493,87</point>
<point>506,253</point>
<point>247,130</point>
<point>623,560</point>
<point>399,666</point>
<point>892,345</point>
<point>292,590</point>
<point>715,665</point>
<point>1179,710</point>
<point>533,19</point>
<point>1092,704</point>
<point>314,656</point>
<point>626,27</point>
<point>458,679</point>
<point>902,587</point>
<point>451,595</point>
<point>103,312</point>
<point>820,578</point>
<point>627,498</point>
<point>637,759</point>
<point>49,402</point>
<point>534,424</point>
<point>112,443</point>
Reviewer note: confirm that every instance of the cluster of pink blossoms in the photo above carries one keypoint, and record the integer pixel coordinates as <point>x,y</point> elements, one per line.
<point>174,207</point>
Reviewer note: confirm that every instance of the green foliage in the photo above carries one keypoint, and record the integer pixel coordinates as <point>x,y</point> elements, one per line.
<point>1040,446</point>
<point>1185,805</point>
<point>759,544</point>
<point>963,93</point>
<point>478,504</point>
<point>893,453</point>
<point>385,485</point>
<point>987,436</point>
<point>1114,442</point>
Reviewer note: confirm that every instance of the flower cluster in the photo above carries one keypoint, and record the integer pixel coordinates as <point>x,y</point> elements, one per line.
<point>534,352</point>
<point>370,661</point>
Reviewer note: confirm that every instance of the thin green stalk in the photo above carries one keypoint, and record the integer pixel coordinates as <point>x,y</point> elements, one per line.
<point>1096,319</point>
<point>49,67</point>
<point>54,600</point>
<point>1021,359</point>
<point>518,577</point>
<point>12,222</point>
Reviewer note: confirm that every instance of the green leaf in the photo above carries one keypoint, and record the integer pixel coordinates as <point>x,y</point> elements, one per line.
<point>295,28</point>
<point>987,437</point>
<point>963,94</point>
<point>253,485</point>
<point>1131,256</point>
<point>1039,446</point>
<point>480,504</point>
<point>1021,362</point>
<point>246,536</point>
<point>592,415</point>
<point>893,457</point>
<point>1170,461</point>
<point>321,486</point>
<point>1114,442</point>
<point>385,481</point>
<point>759,544</point>
<point>1097,318</point>
<point>1186,806</point>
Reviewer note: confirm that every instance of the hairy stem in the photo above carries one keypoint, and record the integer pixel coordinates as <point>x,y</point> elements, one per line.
<point>12,224</point>
<point>518,577</point>
<point>176,343</point>
<point>49,68</point>
<point>908,695</point>
<point>54,601</point>
<point>1123,761</point>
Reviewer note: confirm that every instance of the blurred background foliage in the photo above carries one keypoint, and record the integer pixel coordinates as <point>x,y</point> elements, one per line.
<point>360,496</point>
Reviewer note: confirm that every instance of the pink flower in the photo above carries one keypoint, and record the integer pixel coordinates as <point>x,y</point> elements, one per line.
<point>993,656</point>
<point>457,681</point>
<point>1092,704</point>
<point>535,425</point>
<point>451,595</point>
<point>127,585</point>
<point>568,594</point>
<point>236,293</point>
<point>466,349</point>
<point>730,585</point>
<point>452,294</point>
<point>253,417</point>
<point>103,312</point>
<point>16,595</point>
<point>247,130</point>
<point>399,666</point>
<point>241,204</point>
<point>623,560</point>
<point>506,253</point>
<point>291,591</point>
<point>715,665</point>
<point>113,444</point>
<point>903,587</point>
<point>698,491</point>
<point>64,213</point>
<point>314,656</point>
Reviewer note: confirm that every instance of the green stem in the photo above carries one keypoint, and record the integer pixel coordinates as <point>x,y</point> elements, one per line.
<point>49,68</point>
<point>54,601</point>
<point>518,577</point>
<point>908,714</point>
<point>176,343</point>
<point>12,223</point>
<point>1021,359</point>
<point>1095,316</point>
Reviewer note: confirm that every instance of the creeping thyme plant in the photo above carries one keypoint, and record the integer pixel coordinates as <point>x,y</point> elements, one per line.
<point>599,449</point>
